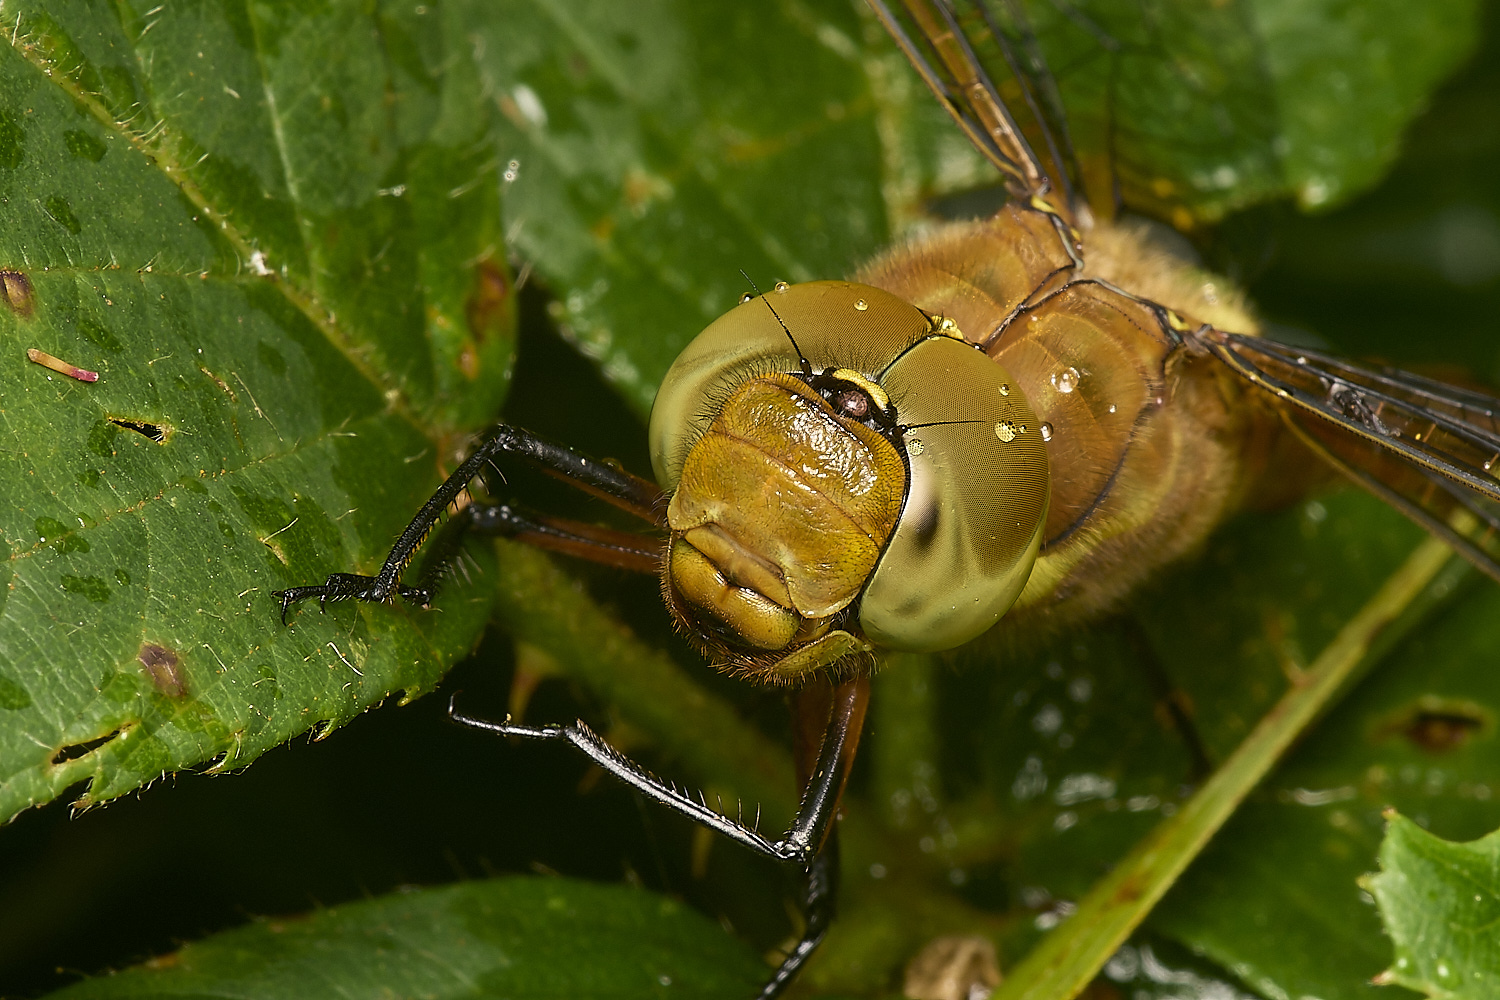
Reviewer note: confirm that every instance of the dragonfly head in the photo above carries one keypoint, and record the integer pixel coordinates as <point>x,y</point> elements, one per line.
<point>848,474</point>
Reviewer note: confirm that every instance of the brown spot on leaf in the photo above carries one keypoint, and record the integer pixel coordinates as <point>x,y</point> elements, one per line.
<point>491,303</point>
<point>223,386</point>
<point>164,668</point>
<point>1439,725</point>
<point>16,290</point>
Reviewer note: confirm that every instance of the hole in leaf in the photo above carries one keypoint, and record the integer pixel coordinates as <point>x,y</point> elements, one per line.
<point>155,432</point>
<point>75,750</point>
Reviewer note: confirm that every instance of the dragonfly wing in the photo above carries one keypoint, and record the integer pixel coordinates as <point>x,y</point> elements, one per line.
<point>943,39</point>
<point>1427,448</point>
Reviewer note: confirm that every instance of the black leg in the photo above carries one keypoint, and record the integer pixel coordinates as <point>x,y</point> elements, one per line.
<point>601,479</point>
<point>621,549</point>
<point>802,846</point>
<point>819,903</point>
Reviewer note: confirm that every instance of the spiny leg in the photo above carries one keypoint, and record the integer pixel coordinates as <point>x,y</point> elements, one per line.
<point>604,480</point>
<point>808,844</point>
<point>621,549</point>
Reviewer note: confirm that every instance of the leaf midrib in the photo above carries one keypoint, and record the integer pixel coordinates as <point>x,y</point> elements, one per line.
<point>162,157</point>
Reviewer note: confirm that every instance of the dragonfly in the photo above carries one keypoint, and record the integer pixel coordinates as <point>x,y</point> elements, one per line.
<point>1001,420</point>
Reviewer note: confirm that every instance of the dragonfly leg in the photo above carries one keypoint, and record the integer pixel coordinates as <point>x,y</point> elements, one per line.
<point>819,904</point>
<point>603,480</point>
<point>806,846</point>
<point>621,549</point>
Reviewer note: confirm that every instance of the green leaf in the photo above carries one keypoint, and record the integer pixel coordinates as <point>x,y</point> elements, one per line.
<point>499,938</point>
<point>287,271</point>
<point>1203,109</point>
<point>640,184</point>
<point>1439,901</point>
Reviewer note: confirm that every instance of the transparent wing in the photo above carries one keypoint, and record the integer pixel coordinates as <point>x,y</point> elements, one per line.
<point>950,43</point>
<point>1427,448</point>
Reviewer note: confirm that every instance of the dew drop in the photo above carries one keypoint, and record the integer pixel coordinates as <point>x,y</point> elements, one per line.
<point>1005,391</point>
<point>1066,380</point>
<point>860,305</point>
<point>747,297</point>
<point>782,286</point>
<point>1046,432</point>
<point>1111,407</point>
<point>914,446</point>
<point>1006,431</point>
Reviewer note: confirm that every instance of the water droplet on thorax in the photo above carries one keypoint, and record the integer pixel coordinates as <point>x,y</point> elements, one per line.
<point>1046,432</point>
<point>1066,380</point>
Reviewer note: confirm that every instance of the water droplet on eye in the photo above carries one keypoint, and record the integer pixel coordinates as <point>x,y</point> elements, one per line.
<point>1066,380</point>
<point>1004,389</point>
<point>746,298</point>
<point>1046,432</point>
<point>1006,431</point>
<point>914,446</point>
<point>860,305</point>
<point>782,286</point>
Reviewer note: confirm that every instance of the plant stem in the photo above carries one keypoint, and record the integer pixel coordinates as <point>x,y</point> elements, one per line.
<point>1068,959</point>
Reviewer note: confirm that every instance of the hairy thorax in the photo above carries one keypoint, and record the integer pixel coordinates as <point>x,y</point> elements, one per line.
<point>1149,446</point>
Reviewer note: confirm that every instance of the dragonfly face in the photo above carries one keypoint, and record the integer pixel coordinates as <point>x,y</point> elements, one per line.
<point>869,479</point>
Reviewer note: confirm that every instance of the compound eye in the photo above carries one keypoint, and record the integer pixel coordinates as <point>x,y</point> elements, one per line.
<point>976,500</point>
<point>852,403</point>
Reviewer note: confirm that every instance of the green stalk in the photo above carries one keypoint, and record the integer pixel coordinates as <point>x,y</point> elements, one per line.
<point>1068,959</point>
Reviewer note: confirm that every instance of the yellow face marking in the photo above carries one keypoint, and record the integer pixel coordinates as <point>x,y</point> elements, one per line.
<point>946,327</point>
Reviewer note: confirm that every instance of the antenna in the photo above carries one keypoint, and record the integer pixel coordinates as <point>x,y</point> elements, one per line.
<point>802,358</point>
<point>903,428</point>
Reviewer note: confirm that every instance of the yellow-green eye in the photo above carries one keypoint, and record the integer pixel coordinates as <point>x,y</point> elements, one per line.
<point>837,325</point>
<point>976,500</point>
